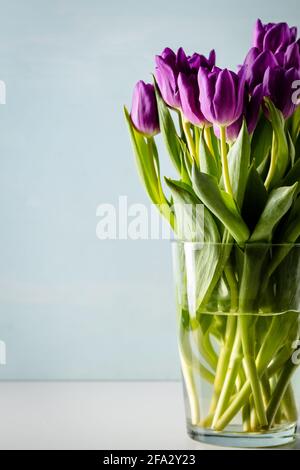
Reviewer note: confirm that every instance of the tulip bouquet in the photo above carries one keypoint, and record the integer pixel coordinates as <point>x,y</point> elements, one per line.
<point>234,140</point>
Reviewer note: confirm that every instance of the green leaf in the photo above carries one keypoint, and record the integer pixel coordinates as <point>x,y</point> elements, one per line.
<point>186,164</point>
<point>278,203</point>
<point>291,230</point>
<point>221,204</point>
<point>297,148</point>
<point>255,198</point>
<point>238,162</point>
<point>281,148</point>
<point>145,163</point>
<point>288,236</point>
<point>208,162</point>
<point>262,140</point>
<point>195,223</point>
<point>294,125</point>
<point>292,150</point>
<point>168,130</point>
<point>293,175</point>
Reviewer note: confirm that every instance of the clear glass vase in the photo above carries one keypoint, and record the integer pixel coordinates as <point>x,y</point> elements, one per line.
<point>239,341</point>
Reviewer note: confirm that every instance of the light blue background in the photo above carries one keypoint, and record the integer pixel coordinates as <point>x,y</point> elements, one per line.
<point>71,306</point>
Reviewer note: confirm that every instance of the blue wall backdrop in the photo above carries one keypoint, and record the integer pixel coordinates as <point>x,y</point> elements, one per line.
<point>71,306</point>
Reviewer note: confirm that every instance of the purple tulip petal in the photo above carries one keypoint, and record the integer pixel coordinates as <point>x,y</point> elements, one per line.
<point>256,71</point>
<point>167,82</point>
<point>207,82</point>
<point>278,86</point>
<point>292,57</point>
<point>258,35</point>
<point>144,114</point>
<point>225,97</point>
<point>253,108</point>
<point>182,61</point>
<point>189,97</point>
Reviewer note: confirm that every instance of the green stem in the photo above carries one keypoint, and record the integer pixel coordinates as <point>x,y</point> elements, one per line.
<point>289,405</point>
<point>186,359</point>
<point>205,347</point>
<point>225,168</point>
<point>253,260</point>
<point>230,379</point>
<point>187,372</point>
<point>247,335</point>
<point>273,164</point>
<point>280,390</point>
<point>226,350</point>
<point>207,135</point>
<point>197,142</point>
<point>233,345</point>
<point>233,287</point>
<point>223,362</point>
<point>273,342</point>
<point>163,205</point>
<point>189,139</point>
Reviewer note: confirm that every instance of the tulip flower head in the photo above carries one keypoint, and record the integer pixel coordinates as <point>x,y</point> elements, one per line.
<point>278,86</point>
<point>221,95</point>
<point>169,66</point>
<point>189,89</point>
<point>144,114</point>
<point>274,37</point>
<point>252,106</point>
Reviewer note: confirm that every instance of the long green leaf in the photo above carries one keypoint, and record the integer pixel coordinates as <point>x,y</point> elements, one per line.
<point>255,191</point>
<point>238,162</point>
<point>281,144</point>
<point>294,125</point>
<point>193,220</point>
<point>221,204</point>
<point>261,141</point>
<point>279,202</point>
<point>293,175</point>
<point>195,223</point>
<point>208,162</point>
<point>146,167</point>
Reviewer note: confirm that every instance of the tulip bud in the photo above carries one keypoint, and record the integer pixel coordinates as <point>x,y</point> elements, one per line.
<point>251,111</point>
<point>256,64</point>
<point>292,57</point>
<point>144,114</point>
<point>221,95</point>
<point>274,37</point>
<point>278,86</point>
<point>166,74</point>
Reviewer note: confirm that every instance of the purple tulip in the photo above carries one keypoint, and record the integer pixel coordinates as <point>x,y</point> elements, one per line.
<point>251,110</point>
<point>274,37</point>
<point>168,67</point>
<point>189,98</point>
<point>144,114</point>
<point>256,64</point>
<point>197,60</point>
<point>291,57</point>
<point>278,86</point>
<point>221,95</point>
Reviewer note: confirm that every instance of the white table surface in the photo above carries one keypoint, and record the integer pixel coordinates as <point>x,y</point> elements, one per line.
<point>94,415</point>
